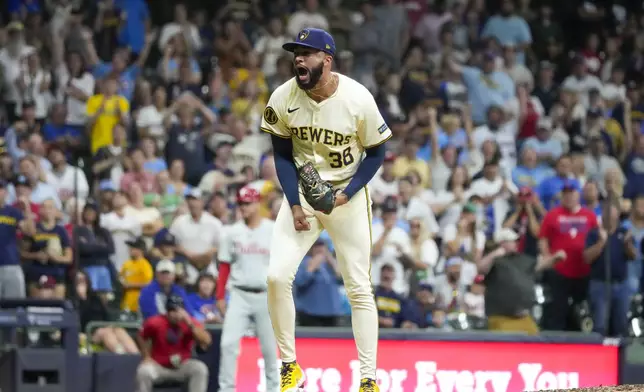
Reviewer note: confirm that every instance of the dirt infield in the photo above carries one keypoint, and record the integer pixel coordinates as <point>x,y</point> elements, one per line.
<point>620,388</point>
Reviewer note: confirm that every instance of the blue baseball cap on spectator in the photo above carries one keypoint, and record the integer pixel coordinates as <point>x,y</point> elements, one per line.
<point>317,39</point>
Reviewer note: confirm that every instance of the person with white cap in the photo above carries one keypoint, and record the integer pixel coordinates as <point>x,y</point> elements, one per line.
<point>510,279</point>
<point>153,296</point>
<point>197,235</point>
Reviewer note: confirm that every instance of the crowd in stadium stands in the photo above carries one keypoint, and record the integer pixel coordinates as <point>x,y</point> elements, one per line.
<point>515,176</point>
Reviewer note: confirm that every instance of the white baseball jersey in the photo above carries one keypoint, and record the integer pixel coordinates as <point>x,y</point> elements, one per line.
<point>332,134</point>
<point>247,250</point>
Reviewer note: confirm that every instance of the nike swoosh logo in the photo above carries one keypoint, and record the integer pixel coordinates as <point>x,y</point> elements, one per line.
<point>292,110</point>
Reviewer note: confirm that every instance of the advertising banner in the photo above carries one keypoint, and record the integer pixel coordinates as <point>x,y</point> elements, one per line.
<point>428,366</point>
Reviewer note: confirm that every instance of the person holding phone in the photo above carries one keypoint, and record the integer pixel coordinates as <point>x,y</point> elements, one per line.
<point>608,251</point>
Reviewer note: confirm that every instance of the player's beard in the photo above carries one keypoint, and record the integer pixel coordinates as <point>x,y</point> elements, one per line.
<point>308,78</point>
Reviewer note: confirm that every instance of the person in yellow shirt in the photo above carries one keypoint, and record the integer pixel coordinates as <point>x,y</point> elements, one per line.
<point>408,162</point>
<point>104,111</point>
<point>136,273</point>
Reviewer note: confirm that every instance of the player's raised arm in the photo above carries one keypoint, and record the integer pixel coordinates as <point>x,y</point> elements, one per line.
<point>373,132</point>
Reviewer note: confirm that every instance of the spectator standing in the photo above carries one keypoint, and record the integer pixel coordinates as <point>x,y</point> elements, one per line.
<point>635,225</point>
<point>185,139</point>
<point>317,288</point>
<point>11,58</point>
<point>508,28</point>
<point>389,243</point>
<point>487,87</point>
<point>525,219</point>
<point>48,252</point>
<point>244,256</point>
<point>608,251</point>
<point>95,248</point>
<point>124,76</point>
<point>34,84</point>
<point>135,274</point>
<point>75,86</point>
<point>197,234</point>
<point>182,26</point>
<point>150,117</point>
<point>68,181</point>
<point>510,278</point>
<point>167,341</point>
<point>564,228</point>
<point>122,227</point>
<point>104,112</point>
<point>12,280</point>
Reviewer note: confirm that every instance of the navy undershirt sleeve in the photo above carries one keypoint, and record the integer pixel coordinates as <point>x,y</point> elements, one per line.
<point>286,169</point>
<point>366,170</point>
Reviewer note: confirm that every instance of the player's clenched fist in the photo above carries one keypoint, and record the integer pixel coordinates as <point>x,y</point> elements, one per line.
<point>299,219</point>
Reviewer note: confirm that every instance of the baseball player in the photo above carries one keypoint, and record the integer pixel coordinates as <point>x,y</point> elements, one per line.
<point>328,141</point>
<point>244,256</point>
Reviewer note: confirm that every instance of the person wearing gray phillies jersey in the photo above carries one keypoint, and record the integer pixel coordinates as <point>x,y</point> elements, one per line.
<point>243,256</point>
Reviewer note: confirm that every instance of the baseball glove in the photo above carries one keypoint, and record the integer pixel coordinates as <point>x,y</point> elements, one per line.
<point>317,192</point>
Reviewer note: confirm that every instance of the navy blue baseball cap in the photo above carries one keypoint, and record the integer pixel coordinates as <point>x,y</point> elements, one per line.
<point>317,39</point>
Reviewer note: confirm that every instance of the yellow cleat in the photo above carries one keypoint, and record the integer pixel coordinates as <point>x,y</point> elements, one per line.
<point>292,378</point>
<point>368,385</point>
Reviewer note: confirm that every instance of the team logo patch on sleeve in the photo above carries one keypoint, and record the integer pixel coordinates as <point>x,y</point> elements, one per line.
<point>383,128</point>
<point>270,116</point>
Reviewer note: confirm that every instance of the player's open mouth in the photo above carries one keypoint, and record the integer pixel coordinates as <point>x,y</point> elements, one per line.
<point>302,74</point>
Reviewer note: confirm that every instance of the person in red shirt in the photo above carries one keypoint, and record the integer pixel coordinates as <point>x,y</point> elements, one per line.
<point>563,232</point>
<point>166,342</point>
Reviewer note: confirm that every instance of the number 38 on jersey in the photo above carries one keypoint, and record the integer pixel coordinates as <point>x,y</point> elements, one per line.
<point>332,134</point>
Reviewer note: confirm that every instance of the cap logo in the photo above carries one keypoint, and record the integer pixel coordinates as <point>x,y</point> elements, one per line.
<point>303,35</point>
<point>327,46</point>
